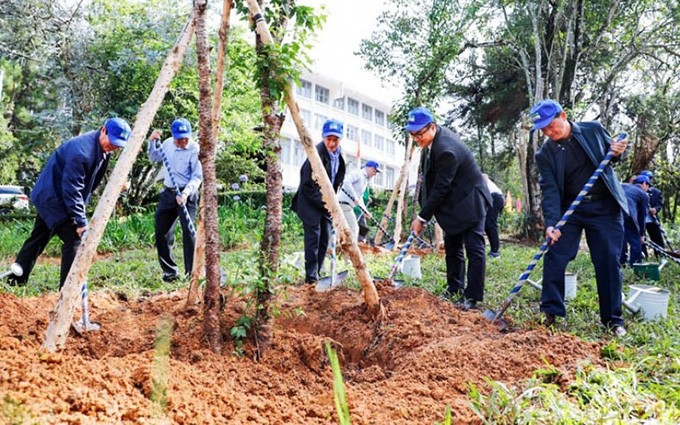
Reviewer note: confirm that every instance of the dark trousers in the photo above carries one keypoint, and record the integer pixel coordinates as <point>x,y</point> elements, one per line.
<point>654,232</point>
<point>491,223</point>
<point>36,243</point>
<point>602,221</point>
<point>473,239</point>
<point>363,228</point>
<point>317,236</point>
<point>632,238</point>
<point>167,212</point>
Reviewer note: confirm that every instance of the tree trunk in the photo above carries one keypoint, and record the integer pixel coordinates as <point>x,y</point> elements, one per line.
<point>410,147</point>
<point>211,322</point>
<point>328,194</point>
<point>60,319</point>
<point>193,296</point>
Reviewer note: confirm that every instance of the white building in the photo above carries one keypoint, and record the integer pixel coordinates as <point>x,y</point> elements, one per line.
<point>366,130</point>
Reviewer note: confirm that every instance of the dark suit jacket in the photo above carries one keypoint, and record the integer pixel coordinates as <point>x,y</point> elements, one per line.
<point>638,205</point>
<point>307,202</point>
<point>550,162</point>
<point>456,193</point>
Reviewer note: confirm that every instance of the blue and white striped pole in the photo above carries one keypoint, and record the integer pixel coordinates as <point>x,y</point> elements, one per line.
<point>402,254</point>
<point>582,194</point>
<point>183,207</point>
<point>663,251</point>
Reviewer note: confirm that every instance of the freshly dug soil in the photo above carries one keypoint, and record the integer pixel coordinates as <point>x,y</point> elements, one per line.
<point>404,370</point>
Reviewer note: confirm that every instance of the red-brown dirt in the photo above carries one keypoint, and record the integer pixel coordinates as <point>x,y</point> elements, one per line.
<point>404,370</point>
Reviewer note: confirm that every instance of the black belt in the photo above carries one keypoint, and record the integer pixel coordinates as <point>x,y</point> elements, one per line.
<point>345,203</point>
<point>172,189</point>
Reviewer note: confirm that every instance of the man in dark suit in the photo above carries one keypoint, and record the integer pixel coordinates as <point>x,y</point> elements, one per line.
<point>308,203</point>
<point>634,221</point>
<point>566,160</point>
<point>455,193</point>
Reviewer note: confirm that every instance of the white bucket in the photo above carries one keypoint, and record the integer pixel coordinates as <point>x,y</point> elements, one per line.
<point>569,286</point>
<point>411,266</point>
<point>653,301</point>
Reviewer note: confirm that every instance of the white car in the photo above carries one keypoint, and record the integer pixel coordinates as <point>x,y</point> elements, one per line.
<point>12,198</point>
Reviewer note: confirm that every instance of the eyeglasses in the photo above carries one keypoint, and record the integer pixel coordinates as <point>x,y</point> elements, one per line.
<point>420,132</point>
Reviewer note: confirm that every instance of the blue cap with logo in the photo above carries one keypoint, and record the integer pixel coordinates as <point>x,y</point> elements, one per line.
<point>544,112</point>
<point>180,129</point>
<point>374,165</point>
<point>418,118</point>
<point>118,130</point>
<point>642,179</point>
<point>649,174</point>
<point>332,128</point>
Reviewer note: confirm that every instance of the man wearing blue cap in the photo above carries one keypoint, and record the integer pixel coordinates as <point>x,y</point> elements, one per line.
<point>308,202</point>
<point>634,220</point>
<point>352,193</point>
<point>652,224</point>
<point>62,191</point>
<point>566,160</point>
<point>182,154</point>
<point>455,193</point>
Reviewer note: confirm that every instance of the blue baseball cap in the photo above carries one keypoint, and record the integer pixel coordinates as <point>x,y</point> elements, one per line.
<point>648,174</point>
<point>418,118</point>
<point>118,130</point>
<point>642,179</point>
<point>544,112</point>
<point>374,165</point>
<point>332,128</point>
<point>180,129</point>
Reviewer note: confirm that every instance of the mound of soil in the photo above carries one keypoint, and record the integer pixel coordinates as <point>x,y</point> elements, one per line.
<point>404,370</point>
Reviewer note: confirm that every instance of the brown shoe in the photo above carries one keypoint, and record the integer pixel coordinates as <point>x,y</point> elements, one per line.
<point>548,319</point>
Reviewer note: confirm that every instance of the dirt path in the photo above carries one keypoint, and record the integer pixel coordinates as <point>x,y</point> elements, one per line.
<point>405,370</point>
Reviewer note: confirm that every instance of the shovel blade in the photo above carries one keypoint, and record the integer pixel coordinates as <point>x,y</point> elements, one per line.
<point>490,315</point>
<point>326,283</point>
<point>82,329</point>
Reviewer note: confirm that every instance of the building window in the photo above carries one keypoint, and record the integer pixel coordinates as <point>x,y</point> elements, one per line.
<point>367,112</point>
<point>306,117</point>
<point>389,177</point>
<point>390,147</point>
<point>304,89</point>
<point>298,153</point>
<point>366,138</point>
<point>319,120</point>
<point>379,143</point>
<point>352,133</point>
<point>379,180</point>
<point>352,106</point>
<point>285,151</point>
<point>380,117</point>
<point>322,94</point>
<point>339,103</point>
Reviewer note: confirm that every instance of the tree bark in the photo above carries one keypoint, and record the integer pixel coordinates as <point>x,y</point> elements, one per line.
<point>211,297</point>
<point>376,310</point>
<point>60,319</point>
<point>410,147</point>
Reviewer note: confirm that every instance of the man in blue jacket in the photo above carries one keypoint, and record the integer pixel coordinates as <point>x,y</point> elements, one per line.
<point>634,221</point>
<point>63,189</point>
<point>652,224</point>
<point>455,193</point>
<point>308,203</point>
<point>566,160</point>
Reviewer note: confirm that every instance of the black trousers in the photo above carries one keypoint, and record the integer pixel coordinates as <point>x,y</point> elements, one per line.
<point>167,212</point>
<point>491,223</point>
<point>317,236</point>
<point>36,243</point>
<point>654,232</point>
<point>473,238</point>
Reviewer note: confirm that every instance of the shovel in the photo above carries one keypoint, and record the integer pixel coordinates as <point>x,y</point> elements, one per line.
<point>84,325</point>
<point>524,277</point>
<point>14,269</point>
<point>404,250</point>
<point>328,282</point>
<point>422,241</point>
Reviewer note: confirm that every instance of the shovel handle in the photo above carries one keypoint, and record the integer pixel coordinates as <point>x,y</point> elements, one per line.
<point>401,255</point>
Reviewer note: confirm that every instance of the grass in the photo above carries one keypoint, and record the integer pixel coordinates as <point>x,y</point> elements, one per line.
<point>642,382</point>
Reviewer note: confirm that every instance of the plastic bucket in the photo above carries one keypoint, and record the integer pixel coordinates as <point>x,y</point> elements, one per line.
<point>649,271</point>
<point>569,286</point>
<point>411,266</point>
<point>653,301</point>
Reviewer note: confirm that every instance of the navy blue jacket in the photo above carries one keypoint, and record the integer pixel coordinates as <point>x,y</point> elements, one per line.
<point>73,171</point>
<point>638,205</point>
<point>308,202</point>
<point>456,192</point>
<point>550,162</point>
<point>655,199</point>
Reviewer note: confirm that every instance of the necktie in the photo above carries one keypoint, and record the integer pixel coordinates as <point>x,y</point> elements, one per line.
<point>424,167</point>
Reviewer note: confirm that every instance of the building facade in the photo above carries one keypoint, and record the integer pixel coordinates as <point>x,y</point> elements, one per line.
<point>367,133</point>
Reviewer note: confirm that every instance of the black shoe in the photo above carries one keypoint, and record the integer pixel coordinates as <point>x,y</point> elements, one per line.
<point>12,281</point>
<point>170,277</point>
<point>548,319</point>
<point>467,304</point>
